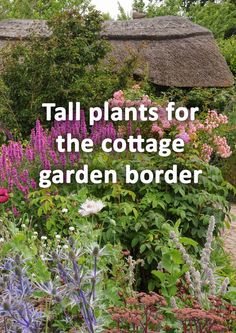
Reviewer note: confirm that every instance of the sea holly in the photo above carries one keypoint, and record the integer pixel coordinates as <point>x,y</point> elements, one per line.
<point>17,308</point>
<point>70,284</point>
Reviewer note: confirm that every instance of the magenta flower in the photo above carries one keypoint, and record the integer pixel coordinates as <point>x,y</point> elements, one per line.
<point>4,196</point>
<point>184,136</point>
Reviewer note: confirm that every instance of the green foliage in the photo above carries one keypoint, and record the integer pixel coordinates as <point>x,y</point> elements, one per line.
<point>220,99</point>
<point>143,212</point>
<point>65,67</point>
<point>39,9</point>
<point>172,271</point>
<point>113,270</point>
<point>139,5</point>
<point>6,113</point>
<point>138,216</point>
<point>169,7</point>
<point>228,165</point>
<point>228,49</point>
<point>218,17</point>
<point>123,16</point>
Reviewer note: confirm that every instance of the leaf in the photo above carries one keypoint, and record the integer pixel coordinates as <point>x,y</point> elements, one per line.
<point>142,248</point>
<point>135,213</point>
<point>41,271</point>
<point>188,241</point>
<point>137,227</point>
<point>160,275</point>
<point>134,242</point>
<point>151,285</point>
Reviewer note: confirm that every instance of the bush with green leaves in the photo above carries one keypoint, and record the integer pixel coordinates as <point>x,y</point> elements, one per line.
<point>228,49</point>
<point>64,67</point>
<point>79,262</point>
<point>218,17</point>
<point>39,9</point>
<point>137,216</point>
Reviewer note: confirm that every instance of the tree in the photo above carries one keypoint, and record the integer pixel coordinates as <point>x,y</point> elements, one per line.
<point>123,16</point>
<point>67,66</point>
<point>59,69</point>
<point>220,18</point>
<point>139,5</point>
<point>38,9</point>
<point>160,8</point>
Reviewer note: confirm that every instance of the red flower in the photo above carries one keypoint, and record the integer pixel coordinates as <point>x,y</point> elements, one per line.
<point>4,197</point>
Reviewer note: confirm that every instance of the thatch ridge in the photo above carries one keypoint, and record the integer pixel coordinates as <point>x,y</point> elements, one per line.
<point>171,50</point>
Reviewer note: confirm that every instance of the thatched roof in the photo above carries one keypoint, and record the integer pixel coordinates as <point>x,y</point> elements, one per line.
<point>171,50</point>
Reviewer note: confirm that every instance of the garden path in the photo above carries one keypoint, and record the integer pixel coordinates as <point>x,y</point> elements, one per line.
<point>230,238</point>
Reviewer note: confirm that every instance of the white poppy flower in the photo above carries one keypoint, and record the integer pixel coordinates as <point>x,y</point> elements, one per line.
<point>91,207</point>
<point>64,210</point>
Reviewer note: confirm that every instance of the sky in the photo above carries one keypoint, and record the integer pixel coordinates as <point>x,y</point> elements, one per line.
<point>111,6</point>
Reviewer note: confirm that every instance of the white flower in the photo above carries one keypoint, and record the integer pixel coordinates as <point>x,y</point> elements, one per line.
<point>65,247</point>
<point>58,237</point>
<point>72,229</point>
<point>44,238</point>
<point>2,240</point>
<point>91,207</point>
<point>64,210</point>
<point>23,226</point>
<point>35,233</point>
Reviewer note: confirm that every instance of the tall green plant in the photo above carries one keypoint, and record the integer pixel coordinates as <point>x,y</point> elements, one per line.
<point>218,17</point>
<point>39,9</point>
<point>65,67</point>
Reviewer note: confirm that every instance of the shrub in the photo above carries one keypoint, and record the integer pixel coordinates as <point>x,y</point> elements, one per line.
<point>64,67</point>
<point>228,49</point>
<point>135,214</point>
<point>59,283</point>
<point>39,9</point>
<point>218,17</point>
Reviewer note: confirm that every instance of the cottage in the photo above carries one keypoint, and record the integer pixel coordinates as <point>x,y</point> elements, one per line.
<point>171,50</point>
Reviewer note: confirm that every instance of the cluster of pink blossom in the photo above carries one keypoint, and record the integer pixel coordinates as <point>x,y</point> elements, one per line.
<point>200,133</point>
<point>214,120</point>
<point>120,100</point>
<point>223,149</point>
<point>206,152</point>
<point>20,164</point>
